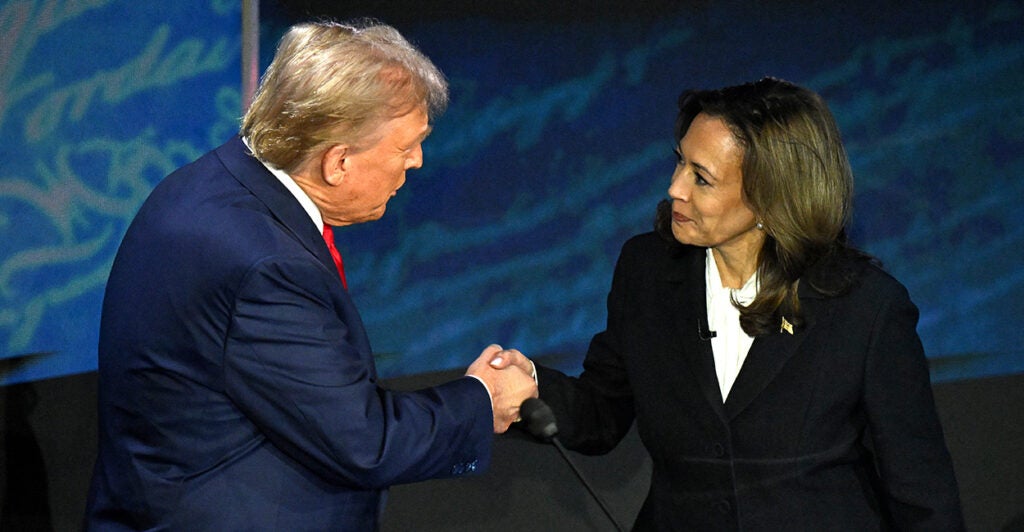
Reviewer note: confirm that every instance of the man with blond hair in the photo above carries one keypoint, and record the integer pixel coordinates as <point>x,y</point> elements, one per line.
<point>237,388</point>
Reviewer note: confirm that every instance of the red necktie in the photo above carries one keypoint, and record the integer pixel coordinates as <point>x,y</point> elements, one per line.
<point>329,239</point>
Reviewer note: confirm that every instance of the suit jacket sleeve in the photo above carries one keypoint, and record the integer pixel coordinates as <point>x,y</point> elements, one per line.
<point>290,369</point>
<point>905,432</point>
<point>595,411</point>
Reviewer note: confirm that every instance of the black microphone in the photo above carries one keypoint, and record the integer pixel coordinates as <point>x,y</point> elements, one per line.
<point>540,421</point>
<point>703,331</point>
<point>539,418</point>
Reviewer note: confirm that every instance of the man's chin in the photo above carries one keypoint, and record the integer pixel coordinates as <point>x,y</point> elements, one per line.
<point>368,217</point>
<point>373,216</point>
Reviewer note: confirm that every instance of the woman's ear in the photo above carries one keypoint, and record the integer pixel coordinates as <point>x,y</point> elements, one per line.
<point>334,164</point>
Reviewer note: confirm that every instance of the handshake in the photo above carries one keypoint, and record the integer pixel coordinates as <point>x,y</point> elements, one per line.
<point>510,378</point>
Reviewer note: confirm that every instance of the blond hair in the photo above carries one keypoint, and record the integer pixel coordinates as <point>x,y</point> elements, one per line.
<point>332,83</point>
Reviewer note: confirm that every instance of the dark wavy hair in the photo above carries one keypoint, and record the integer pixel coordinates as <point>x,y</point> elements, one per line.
<point>797,181</point>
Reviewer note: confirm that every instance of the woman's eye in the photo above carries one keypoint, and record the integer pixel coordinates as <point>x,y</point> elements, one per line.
<point>699,180</point>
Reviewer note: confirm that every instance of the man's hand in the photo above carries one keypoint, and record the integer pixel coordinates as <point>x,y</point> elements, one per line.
<point>512,357</point>
<point>509,386</point>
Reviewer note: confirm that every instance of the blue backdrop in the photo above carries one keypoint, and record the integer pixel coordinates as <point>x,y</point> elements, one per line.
<point>555,149</point>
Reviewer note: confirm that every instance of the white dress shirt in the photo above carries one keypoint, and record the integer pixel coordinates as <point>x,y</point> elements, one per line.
<point>730,344</point>
<point>295,189</point>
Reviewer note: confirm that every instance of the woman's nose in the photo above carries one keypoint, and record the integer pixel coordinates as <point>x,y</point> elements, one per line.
<point>678,188</point>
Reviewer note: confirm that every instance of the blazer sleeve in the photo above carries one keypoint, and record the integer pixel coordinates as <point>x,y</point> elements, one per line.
<point>291,370</point>
<point>595,411</point>
<point>905,433</point>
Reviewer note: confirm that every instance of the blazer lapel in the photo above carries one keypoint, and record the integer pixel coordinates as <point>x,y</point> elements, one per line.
<point>769,354</point>
<point>690,300</point>
<point>251,173</point>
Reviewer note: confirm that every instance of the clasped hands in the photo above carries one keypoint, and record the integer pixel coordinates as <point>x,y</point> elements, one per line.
<point>509,377</point>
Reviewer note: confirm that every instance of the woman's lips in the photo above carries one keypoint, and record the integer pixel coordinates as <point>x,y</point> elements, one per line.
<point>679,218</point>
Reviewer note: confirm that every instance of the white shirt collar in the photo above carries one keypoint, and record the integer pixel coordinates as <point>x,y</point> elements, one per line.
<point>744,295</point>
<point>295,189</point>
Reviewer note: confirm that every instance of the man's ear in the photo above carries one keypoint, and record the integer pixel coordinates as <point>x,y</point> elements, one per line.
<point>334,164</point>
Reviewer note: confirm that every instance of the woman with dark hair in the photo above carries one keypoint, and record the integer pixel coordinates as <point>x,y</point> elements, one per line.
<point>774,372</point>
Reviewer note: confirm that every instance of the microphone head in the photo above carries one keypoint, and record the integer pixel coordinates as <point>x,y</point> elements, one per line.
<point>539,418</point>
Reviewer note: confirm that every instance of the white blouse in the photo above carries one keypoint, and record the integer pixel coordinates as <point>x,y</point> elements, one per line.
<point>730,344</point>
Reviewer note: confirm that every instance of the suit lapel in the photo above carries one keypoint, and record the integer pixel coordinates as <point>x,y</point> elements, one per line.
<point>293,218</point>
<point>769,354</point>
<point>251,173</point>
<point>690,301</point>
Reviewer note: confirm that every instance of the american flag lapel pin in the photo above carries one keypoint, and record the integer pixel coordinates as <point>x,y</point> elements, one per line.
<point>786,326</point>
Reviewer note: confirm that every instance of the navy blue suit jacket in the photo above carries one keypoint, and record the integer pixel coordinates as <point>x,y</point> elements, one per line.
<point>832,427</point>
<point>237,388</point>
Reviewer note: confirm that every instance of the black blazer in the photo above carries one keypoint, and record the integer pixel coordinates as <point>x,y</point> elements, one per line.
<point>830,428</point>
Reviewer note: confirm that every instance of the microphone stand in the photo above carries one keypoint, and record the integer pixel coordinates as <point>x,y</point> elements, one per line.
<point>583,480</point>
<point>540,421</point>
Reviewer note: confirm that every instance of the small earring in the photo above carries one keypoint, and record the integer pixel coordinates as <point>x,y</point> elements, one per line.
<point>760,226</point>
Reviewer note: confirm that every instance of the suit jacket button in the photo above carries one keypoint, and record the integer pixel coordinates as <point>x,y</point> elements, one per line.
<point>463,468</point>
<point>723,506</point>
<point>717,450</point>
